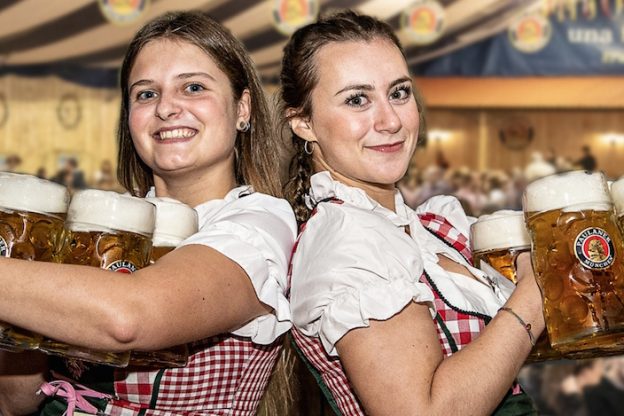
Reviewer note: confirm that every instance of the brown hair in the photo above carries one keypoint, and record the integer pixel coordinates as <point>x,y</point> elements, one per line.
<point>299,77</point>
<point>256,162</point>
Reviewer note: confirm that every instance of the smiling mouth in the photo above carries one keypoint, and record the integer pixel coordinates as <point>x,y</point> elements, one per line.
<point>387,148</point>
<point>182,133</point>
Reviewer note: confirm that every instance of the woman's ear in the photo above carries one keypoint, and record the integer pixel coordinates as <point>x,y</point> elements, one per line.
<point>302,128</point>
<point>244,107</point>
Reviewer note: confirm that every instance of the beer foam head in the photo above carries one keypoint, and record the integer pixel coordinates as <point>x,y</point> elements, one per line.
<point>175,221</point>
<point>95,210</point>
<point>572,191</point>
<point>500,230</point>
<point>33,194</point>
<point>617,192</point>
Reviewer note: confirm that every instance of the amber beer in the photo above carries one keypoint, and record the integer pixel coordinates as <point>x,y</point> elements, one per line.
<point>617,193</point>
<point>111,231</point>
<point>497,239</point>
<point>577,255</point>
<point>32,213</point>
<point>175,221</point>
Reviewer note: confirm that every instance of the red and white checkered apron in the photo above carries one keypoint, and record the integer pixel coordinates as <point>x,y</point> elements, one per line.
<point>225,375</point>
<point>455,328</point>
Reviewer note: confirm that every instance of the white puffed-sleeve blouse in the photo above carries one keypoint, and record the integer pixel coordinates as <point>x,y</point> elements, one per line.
<point>355,262</point>
<point>257,231</point>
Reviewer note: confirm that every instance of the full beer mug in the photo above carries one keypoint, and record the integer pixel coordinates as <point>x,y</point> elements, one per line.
<point>497,239</point>
<point>175,221</point>
<point>577,254</point>
<point>111,231</point>
<point>32,214</point>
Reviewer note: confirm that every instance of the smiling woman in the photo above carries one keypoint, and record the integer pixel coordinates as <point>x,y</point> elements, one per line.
<point>193,127</point>
<point>393,320</point>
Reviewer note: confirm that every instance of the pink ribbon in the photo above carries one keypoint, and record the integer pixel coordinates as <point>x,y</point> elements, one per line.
<point>74,396</point>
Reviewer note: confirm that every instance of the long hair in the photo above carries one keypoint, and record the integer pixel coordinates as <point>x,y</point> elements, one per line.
<point>299,77</point>
<point>257,161</point>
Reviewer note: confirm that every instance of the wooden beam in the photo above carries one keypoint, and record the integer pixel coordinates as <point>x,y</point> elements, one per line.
<point>529,92</point>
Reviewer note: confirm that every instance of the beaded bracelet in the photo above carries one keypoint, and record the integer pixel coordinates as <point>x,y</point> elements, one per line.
<point>524,324</point>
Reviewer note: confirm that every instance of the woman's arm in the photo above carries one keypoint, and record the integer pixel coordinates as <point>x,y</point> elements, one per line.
<point>21,375</point>
<point>403,357</point>
<point>189,294</point>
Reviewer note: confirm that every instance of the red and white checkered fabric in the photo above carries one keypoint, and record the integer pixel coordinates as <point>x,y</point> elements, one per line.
<point>444,230</point>
<point>463,327</point>
<point>225,375</point>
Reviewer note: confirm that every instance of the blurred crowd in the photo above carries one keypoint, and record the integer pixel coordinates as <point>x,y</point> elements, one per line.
<point>488,191</point>
<point>592,387</point>
<point>71,175</point>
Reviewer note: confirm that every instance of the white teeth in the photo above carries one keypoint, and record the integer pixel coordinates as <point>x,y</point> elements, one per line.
<point>176,134</point>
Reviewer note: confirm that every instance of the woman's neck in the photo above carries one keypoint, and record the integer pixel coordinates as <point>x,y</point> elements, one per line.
<point>384,194</point>
<point>196,190</point>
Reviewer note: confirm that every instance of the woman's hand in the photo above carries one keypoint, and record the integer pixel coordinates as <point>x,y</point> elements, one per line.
<point>523,266</point>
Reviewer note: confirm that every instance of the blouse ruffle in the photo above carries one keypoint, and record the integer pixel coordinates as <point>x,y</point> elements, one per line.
<point>257,232</point>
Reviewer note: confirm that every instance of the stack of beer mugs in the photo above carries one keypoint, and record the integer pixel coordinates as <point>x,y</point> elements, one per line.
<point>111,231</point>
<point>577,252</point>
<point>175,221</point>
<point>496,240</point>
<point>32,213</point>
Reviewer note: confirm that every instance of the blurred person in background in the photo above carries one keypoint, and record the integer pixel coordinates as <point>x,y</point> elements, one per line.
<point>496,197</point>
<point>392,320</point>
<point>41,173</point>
<point>605,397</point>
<point>434,183</point>
<point>559,393</point>
<point>104,177</point>
<point>563,164</point>
<point>12,163</point>
<point>70,175</point>
<point>409,186</point>
<point>194,126</point>
<point>538,167</point>
<point>441,161</point>
<point>514,189</point>
<point>587,161</point>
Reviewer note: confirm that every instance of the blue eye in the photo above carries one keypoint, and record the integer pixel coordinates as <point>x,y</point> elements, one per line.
<point>401,93</point>
<point>194,87</point>
<point>357,100</point>
<point>145,95</point>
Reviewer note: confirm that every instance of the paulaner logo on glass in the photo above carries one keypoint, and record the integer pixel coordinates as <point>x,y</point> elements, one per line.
<point>594,248</point>
<point>122,266</point>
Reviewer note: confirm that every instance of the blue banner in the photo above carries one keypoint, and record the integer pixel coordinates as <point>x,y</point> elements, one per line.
<point>584,39</point>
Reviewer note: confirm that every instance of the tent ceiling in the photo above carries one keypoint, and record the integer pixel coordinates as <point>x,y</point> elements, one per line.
<point>43,32</point>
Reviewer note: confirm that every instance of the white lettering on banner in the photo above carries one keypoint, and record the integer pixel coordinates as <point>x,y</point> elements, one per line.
<point>590,36</point>
<point>613,56</point>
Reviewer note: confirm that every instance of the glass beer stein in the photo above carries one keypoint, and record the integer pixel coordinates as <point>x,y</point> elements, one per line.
<point>497,239</point>
<point>111,231</point>
<point>175,221</point>
<point>577,254</point>
<point>32,214</point>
